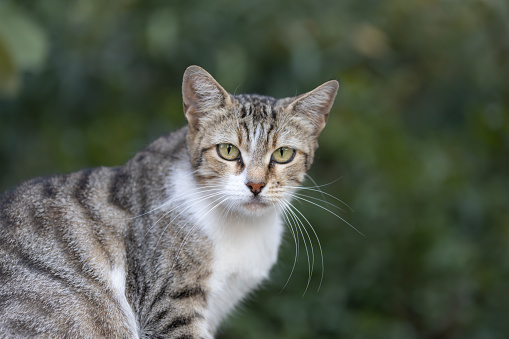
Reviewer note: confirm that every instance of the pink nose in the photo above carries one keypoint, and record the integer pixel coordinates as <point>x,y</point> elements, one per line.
<point>255,187</point>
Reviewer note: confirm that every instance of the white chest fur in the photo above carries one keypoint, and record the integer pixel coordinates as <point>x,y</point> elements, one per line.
<point>244,254</point>
<point>245,248</point>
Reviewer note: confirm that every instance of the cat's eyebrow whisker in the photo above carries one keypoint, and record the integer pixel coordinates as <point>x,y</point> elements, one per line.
<point>237,119</point>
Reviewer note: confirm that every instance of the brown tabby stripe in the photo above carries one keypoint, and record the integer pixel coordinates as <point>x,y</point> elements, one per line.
<point>34,300</point>
<point>82,195</point>
<point>189,293</point>
<point>117,197</point>
<point>177,322</point>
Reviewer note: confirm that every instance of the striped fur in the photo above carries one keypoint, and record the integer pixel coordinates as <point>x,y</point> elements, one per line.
<point>165,245</point>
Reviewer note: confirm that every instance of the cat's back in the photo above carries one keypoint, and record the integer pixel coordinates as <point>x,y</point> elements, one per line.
<point>67,244</point>
<point>59,241</point>
<point>52,200</point>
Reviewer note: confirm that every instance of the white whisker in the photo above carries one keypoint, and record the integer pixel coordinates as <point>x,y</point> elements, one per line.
<point>318,241</point>
<point>192,229</point>
<point>295,239</point>
<point>194,200</point>
<point>295,194</point>
<point>326,209</point>
<point>314,182</point>
<point>301,226</point>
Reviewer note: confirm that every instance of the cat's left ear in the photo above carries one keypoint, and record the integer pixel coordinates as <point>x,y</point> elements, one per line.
<point>202,94</point>
<point>316,105</point>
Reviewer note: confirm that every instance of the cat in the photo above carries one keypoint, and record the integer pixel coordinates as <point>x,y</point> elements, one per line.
<point>166,245</point>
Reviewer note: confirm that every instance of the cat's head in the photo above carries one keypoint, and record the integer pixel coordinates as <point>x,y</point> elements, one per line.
<point>251,150</point>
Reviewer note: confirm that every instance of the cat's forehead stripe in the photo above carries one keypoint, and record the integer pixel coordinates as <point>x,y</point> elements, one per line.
<point>256,106</point>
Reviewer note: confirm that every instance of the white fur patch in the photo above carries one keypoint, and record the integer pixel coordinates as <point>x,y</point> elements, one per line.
<point>258,132</point>
<point>255,137</point>
<point>245,246</point>
<point>244,255</point>
<point>117,278</point>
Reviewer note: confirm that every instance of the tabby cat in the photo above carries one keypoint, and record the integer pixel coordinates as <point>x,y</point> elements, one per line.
<point>167,244</point>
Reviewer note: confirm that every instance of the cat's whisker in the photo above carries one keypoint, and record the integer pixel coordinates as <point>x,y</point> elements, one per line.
<point>167,202</point>
<point>318,241</point>
<point>194,200</point>
<point>284,206</point>
<point>303,228</point>
<point>318,190</point>
<point>160,206</point>
<point>318,186</point>
<point>189,194</point>
<point>230,206</point>
<point>193,228</point>
<point>184,225</point>
<point>326,209</point>
<point>295,239</point>
<point>223,213</point>
<point>314,182</point>
<point>295,194</point>
<point>294,231</point>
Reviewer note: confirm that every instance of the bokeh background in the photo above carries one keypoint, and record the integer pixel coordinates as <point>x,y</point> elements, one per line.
<point>417,143</point>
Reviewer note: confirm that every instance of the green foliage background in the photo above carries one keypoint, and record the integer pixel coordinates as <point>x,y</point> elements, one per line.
<point>419,137</point>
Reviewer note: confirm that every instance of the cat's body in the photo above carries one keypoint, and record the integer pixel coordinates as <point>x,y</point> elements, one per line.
<point>167,244</point>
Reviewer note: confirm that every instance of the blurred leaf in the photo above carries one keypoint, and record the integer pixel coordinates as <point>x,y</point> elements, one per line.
<point>23,46</point>
<point>8,74</point>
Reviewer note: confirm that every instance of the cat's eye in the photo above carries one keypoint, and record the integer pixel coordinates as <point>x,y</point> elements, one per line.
<point>283,155</point>
<point>228,151</point>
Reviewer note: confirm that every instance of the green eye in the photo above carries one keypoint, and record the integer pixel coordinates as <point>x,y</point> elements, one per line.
<point>228,151</point>
<point>283,155</point>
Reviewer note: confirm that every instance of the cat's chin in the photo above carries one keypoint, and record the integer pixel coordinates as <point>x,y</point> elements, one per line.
<point>254,206</point>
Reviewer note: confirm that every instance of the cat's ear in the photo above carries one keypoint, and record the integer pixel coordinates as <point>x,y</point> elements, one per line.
<point>315,105</point>
<point>202,94</point>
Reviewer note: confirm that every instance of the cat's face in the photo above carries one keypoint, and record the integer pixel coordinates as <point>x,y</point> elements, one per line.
<point>251,151</point>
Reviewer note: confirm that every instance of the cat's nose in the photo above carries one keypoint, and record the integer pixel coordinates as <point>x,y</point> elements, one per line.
<point>256,188</point>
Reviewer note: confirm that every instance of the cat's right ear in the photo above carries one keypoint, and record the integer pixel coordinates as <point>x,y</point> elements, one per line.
<point>202,94</point>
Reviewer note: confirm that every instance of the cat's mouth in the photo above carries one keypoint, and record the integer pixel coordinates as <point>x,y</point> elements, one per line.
<point>254,204</point>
